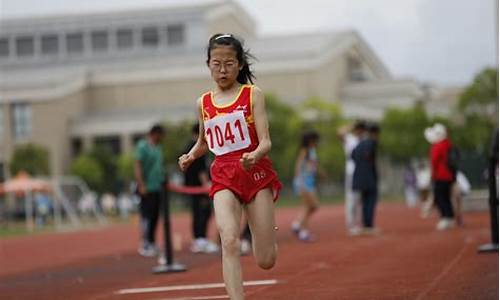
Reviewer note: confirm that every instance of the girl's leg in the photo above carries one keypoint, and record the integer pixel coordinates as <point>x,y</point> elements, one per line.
<point>311,204</point>
<point>228,210</point>
<point>260,214</point>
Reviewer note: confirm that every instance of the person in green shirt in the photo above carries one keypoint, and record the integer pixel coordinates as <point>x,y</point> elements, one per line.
<point>149,172</point>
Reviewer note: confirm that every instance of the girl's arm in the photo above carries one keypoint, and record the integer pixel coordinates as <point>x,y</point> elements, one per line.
<point>199,148</point>
<point>262,128</point>
<point>300,159</point>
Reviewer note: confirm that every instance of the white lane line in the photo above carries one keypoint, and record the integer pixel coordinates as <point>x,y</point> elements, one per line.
<point>443,273</point>
<point>198,298</point>
<point>191,287</point>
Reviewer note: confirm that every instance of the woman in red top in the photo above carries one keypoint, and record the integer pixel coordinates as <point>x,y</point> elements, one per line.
<point>442,176</point>
<point>234,126</point>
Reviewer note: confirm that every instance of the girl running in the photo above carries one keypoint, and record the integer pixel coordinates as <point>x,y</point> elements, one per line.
<point>304,183</point>
<point>234,126</point>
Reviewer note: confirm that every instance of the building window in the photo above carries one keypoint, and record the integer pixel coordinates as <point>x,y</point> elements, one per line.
<point>4,47</point>
<point>100,40</point>
<point>76,147</point>
<point>2,172</point>
<point>110,143</point>
<point>74,43</point>
<point>25,46</point>
<point>356,72</point>
<point>124,38</point>
<point>50,44</point>
<point>1,123</point>
<point>175,35</point>
<point>21,121</point>
<point>150,37</point>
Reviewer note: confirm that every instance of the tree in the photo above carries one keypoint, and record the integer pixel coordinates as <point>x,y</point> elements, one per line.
<point>175,140</point>
<point>31,158</point>
<point>125,167</point>
<point>481,97</point>
<point>88,168</point>
<point>402,133</point>
<point>325,118</point>
<point>479,105</point>
<point>284,128</point>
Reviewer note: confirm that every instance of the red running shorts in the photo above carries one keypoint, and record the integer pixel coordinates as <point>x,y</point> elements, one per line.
<point>228,174</point>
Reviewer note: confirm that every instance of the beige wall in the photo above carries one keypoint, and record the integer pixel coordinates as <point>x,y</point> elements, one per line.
<point>289,87</point>
<point>229,24</point>
<point>6,139</point>
<point>329,79</point>
<point>150,95</point>
<point>51,123</point>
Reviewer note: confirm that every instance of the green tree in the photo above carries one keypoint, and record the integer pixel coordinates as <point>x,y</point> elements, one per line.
<point>402,133</point>
<point>107,161</point>
<point>176,138</point>
<point>325,118</point>
<point>479,106</point>
<point>125,167</point>
<point>284,128</point>
<point>481,97</point>
<point>88,168</point>
<point>31,158</point>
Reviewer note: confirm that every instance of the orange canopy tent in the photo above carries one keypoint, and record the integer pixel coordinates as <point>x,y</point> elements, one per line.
<point>23,183</point>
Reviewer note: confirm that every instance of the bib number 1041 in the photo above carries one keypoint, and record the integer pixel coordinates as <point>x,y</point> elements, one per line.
<point>227,133</point>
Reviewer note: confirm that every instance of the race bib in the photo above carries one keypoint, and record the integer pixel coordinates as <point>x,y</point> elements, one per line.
<point>227,133</point>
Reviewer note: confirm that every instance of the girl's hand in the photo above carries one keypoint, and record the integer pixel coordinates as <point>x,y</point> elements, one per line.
<point>247,160</point>
<point>185,161</point>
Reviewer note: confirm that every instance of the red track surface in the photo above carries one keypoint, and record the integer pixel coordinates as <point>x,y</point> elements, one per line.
<point>409,260</point>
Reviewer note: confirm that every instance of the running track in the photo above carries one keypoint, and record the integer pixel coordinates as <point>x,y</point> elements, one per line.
<point>409,260</point>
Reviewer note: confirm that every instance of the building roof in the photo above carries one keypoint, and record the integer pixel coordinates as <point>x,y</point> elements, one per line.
<point>289,53</point>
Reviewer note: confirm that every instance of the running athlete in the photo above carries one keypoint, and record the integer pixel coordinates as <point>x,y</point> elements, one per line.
<point>234,126</point>
<point>304,183</point>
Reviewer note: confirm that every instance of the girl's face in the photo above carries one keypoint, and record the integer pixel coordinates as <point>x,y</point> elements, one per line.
<point>224,66</point>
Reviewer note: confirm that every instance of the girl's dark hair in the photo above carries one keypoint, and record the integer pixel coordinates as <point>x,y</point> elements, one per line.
<point>225,39</point>
<point>308,138</point>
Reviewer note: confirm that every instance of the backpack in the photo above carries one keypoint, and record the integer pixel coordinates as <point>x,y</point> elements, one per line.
<point>453,162</point>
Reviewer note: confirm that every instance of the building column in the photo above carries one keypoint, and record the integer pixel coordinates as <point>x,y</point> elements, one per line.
<point>87,143</point>
<point>126,145</point>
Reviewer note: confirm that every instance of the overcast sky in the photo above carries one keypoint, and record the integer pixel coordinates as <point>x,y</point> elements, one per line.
<point>439,41</point>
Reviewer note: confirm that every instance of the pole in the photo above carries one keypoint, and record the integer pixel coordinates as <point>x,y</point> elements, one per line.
<point>493,198</point>
<point>170,266</point>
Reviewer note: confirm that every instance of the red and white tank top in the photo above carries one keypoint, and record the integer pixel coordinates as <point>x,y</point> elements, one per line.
<point>230,129</point>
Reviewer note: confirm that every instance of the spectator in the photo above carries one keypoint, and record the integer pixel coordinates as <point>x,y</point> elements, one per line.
<point>410,182</point>
<point>201,205</point>
<point>149,173</point>
<point>442,176</point>
<point>304,182</point>
<point>365,178</point>
<point>351,137</point>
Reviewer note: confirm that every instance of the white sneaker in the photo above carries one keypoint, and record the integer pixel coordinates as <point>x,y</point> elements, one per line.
<point>148,251</point>
<point>444,224</point>
<point>211,247</point>
<point>245,247</point>
<point>162,260</point>
<point>305,236</point>
<point>198,245</point>
<point>295,227</point>
<point>354,231</point>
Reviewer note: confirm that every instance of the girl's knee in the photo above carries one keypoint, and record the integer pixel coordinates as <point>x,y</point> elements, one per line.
<point>267,260</point>
<point>230,245</point>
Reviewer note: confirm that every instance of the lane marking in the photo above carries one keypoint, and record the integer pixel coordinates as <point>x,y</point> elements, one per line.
<point>198,298</point>
<point>443,273</point>
<point>191,287</point>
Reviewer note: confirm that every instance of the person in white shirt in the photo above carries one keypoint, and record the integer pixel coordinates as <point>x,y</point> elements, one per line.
<point>351,136</point>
